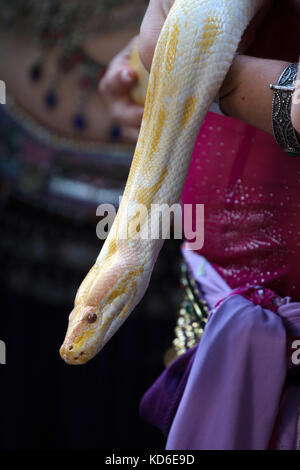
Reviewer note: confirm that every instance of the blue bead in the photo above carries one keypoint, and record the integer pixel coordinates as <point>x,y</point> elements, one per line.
<point>115,132</point>
<point>50,99</point>
<point>79,121</point>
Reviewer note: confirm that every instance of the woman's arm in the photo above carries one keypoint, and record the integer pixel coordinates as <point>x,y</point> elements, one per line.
<point>245,93</point>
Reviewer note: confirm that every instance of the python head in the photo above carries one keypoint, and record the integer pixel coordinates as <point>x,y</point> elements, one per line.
<point>102,304</point>
<point>80,343</point>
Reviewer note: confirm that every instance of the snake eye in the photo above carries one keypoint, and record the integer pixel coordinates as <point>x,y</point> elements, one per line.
<point>91,317</point>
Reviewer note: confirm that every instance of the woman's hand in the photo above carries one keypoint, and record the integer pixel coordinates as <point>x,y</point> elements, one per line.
<point>115,87</point>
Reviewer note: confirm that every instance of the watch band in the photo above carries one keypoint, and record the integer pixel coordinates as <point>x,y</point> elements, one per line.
<point>283,130</point>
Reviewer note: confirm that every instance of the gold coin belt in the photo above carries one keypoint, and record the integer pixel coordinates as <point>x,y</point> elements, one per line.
<point>193,314</point>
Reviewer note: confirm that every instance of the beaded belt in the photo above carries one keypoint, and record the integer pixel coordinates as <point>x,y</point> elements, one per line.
<point>192,317</point>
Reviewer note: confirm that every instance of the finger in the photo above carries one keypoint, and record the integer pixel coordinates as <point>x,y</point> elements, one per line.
<point>127,113</point>
<point>117,81</point>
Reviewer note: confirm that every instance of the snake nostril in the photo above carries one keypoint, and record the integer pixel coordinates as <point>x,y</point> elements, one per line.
<point>70,348</point>
<point>91,317</point>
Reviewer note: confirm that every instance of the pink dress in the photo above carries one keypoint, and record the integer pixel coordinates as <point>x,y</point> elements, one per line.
<point>250,189</point>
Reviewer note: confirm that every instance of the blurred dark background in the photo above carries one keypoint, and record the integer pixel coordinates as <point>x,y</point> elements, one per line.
<point>45,403</point>
<point>50,187</point>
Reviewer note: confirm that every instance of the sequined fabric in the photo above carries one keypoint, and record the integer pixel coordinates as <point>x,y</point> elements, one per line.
<point>250,189</point>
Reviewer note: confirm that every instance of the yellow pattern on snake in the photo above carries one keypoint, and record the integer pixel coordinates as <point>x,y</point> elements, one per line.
<point>193,54</point>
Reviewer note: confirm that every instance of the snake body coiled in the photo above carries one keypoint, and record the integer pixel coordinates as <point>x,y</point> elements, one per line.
<point>193,55</point>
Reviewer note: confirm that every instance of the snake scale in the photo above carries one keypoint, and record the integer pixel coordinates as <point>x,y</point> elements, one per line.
<point>192,57</point>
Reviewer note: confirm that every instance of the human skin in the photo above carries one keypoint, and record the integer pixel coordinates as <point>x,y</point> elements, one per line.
<point>115,87</point>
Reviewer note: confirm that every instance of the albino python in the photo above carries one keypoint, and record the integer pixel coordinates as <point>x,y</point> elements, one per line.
<point>192,57</point>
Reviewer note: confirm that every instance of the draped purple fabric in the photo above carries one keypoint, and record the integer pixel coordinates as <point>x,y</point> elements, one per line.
<point>160,402</point>
<point>234,388</point>
<point>230,392</point>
